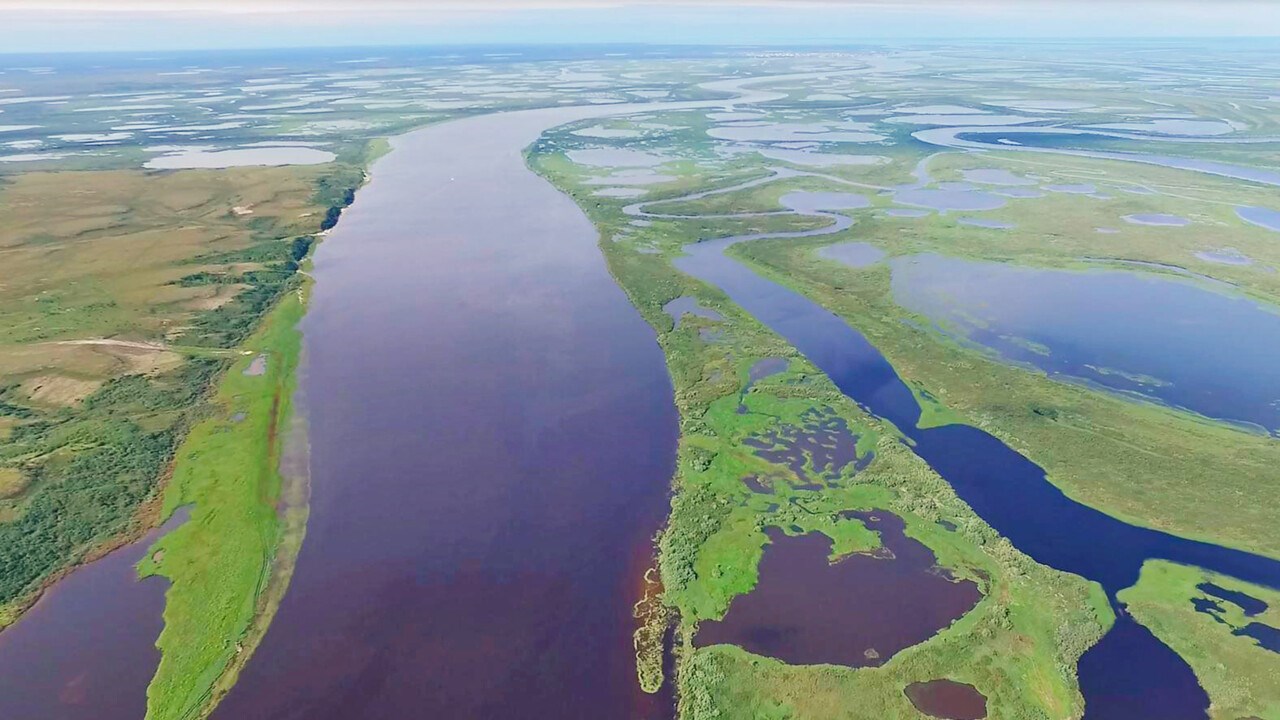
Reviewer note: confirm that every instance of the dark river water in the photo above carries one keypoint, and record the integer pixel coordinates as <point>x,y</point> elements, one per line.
<point>1129,675</point>
<point>491,453</point>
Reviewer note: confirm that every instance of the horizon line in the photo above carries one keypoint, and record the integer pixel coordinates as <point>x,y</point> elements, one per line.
<point>832,44</point>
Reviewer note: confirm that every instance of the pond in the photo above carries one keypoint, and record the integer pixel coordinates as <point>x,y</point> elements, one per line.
<point>944,200</point>
<point>947,699</point>
<point>1157,219</point>
<point>858,611</point>
<point>1168,340</point>
<point>195,157</point>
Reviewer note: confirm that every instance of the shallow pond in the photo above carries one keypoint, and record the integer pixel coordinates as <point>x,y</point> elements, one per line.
<point>947,699</point>
<point>817,159</point>
<point>1225,256</point>
<point>1157,219</point>
<point>688,305</point>
<point>615,157</point>
<point>858,611</point>
<point>1168,340</point>
<point>944,200</point>
<point>620,192</point>
<point>216,159</point>
<point>1073,189</point>
<point>988,224</point>
<point>1172,127</point>
<point>784,132</point>
<point>815,202</point>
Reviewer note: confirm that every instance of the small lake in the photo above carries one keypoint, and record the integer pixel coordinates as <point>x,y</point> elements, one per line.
<point>947,699</point>
<point>1171,341</point>
<point>218,159</point>
<point>858,611</point>
<point>944,200</point>
<point>816,202</point>
<point>1157,219</point>
<point>995,176</point>
<point>688,305</point>
<point>817,159</point>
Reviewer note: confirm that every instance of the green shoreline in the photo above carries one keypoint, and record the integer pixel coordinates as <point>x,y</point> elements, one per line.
<point>229,565</point>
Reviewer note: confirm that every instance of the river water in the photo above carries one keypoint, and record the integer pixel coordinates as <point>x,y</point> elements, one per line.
<point>492,440</point>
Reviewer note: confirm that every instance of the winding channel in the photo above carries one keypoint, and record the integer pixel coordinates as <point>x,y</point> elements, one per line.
<point>1129,675</point>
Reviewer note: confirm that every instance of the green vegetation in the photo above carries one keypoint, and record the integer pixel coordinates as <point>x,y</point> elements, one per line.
<point>85,474</point>
<point>1239,675</point>
<point>1019,646</point>
<point>220,560</point>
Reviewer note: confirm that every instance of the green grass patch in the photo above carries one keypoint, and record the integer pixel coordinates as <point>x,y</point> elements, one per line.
<point>218,562</point>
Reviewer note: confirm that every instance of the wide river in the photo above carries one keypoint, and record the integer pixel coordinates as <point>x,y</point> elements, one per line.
<point>492,439</point>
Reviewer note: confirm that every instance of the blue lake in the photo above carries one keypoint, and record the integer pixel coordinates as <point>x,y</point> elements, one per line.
<point>1168,340</point>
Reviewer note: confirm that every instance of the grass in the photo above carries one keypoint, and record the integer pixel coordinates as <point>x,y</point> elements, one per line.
<point>1239,675</point>
<point>1019,646</point>
<point>220,560</point>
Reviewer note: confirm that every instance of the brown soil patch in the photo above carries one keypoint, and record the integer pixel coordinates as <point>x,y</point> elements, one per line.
<point>58,389</point>
<point>12,482</point>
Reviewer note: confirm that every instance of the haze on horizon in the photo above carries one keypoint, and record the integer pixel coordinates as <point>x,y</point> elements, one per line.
<point>78,25</point>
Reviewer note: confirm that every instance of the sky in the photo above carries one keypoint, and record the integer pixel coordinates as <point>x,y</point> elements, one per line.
<point>92,25</point>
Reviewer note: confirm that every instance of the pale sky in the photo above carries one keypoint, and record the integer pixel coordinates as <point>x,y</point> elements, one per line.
<point>62,25</point>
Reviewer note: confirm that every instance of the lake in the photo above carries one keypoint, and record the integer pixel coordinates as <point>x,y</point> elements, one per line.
<point>1168,340</point>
